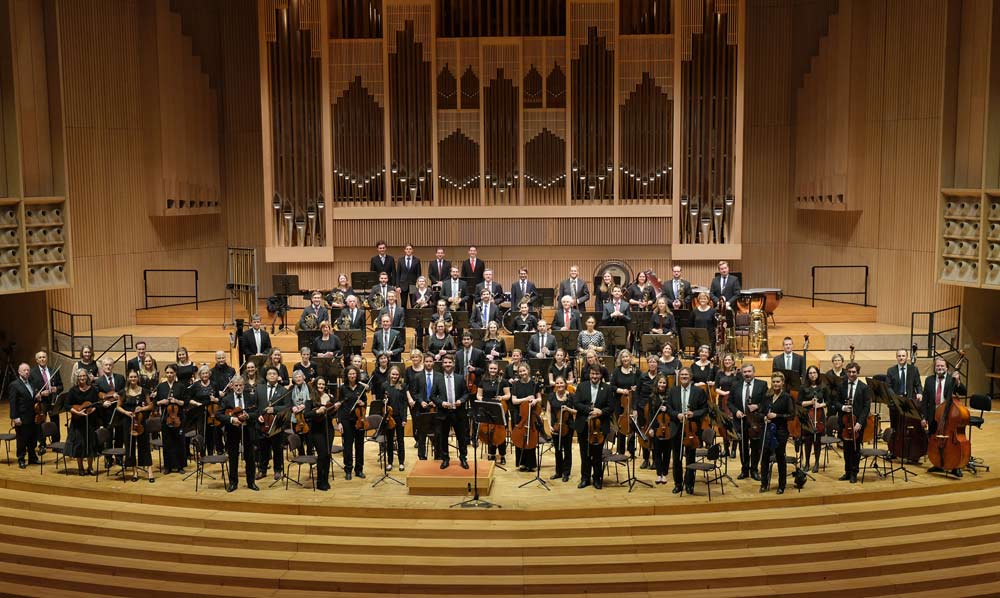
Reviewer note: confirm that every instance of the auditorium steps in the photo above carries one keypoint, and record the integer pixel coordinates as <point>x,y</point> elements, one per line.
<point>61,541</point>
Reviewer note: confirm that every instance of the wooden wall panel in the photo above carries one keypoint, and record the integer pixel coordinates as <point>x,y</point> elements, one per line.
<point>38,162</point>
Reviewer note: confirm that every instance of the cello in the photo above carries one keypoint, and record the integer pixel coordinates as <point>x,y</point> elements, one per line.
<point>908,441</point>
<point>949,448</point>
<point>525,434</point>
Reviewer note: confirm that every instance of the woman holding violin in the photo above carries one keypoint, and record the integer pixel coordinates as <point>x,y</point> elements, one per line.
<point>186,369</point>
<point>81,442</point>
<point>658,427</point>
<point>726,378</point>
<point>169,396</point>
<point>394,393</point>
<point>561,367</point>
<point>201,399</point>
<point>625,381</point>
<point>778,408</point>
<point>561,416</point>
<point>813,396</point>
<point>300,394</point>
<point>134,406</point>
<point>526,399</point>
<point>352,408</point>
<point>493,346</point>
<point>318,412</point>
<point>647,386</point>
<point>494,388</point>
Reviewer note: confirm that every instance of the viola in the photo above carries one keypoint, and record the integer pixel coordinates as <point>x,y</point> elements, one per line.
<point>644,442</point>
<point>949,448</point>
<point>39,412</point>
<point>595,434</point>
<point>470,384</point>
<point>691,433</point>
<point>390,421</point>
<point>525,433</point>
<point>269,418</point>
<point>662,425</point>
<point>86,407</point>
<point>756,422</point>
<point>817,415</point>
<point>794,424</point>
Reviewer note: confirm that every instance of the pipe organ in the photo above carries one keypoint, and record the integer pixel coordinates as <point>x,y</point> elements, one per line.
<point>436,105</point>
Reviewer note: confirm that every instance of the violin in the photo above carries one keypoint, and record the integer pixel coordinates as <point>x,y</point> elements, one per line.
<point>525,433</point>
<point>595,434</point>
<point>40,412</point>
<point>817,415</point>
<point>624,421</point>
<point>360,418</point>
<point>86,408</point>
<point>390,421</point>
<point>138,423</point>
<point>756,422</point>
<point>691,433</point>
<point>211,409</point>
<point>173,411</point>
<point>470,384</point>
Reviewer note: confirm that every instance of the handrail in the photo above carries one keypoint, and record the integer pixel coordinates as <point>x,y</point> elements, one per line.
<point>864,292</point>
<point>54,329</point>
<point>127,345</point>
<point>147,296</point>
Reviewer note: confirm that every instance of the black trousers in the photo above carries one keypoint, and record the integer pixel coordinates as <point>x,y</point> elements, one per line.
<point>354,448</point>
<point>460,423</point>
<point>661,455</point>
<point>236,439</point>
<point>776,454</point>
<point>394,443</point>
<point>321,442</point>
<point>674,450</point>
<point>57,436</point>
<point>27,438</point>
<point>563,446</point>
<point>749,449</point>
<point>137,447</point>
<point>852,455</point>
<point>812,445</point>
<point>591,458</point>
<point>271,448</point>
<point>174,453</point>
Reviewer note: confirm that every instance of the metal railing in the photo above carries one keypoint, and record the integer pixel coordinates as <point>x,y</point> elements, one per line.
<point>832,293</point>
<point>147,296</point>
<point>942,336</point>
<point>59,320</point>
<point>127,345</point>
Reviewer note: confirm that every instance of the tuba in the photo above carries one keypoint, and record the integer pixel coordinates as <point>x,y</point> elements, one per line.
<point>758,334</point>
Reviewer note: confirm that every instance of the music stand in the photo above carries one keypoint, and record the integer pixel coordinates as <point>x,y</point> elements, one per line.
<point>258,360</point>
<point>540,366</point>
<point>882,395</point>
<point>545,298</point>
<point>307,338</point>
<point>654,343</point>
<point>615,337</point>
<point>477,335</point>
<point>470,290</point>
<point>692,338</point>
<point>567,340</point>
<point>363,281</point>
<point>682,317</point>
<point>597,315</point>
<point>489,413</point>
<point>350,340</point>
<point>793,381</point>
<point>521,340</point>
<point>377,407</point>
<point>284,286</point>
<point>424,427</point>
<point>459,320</point>
<point>907,410</point>
<point>328,368</point>
<point>630,466</point>
<point>641,321</point>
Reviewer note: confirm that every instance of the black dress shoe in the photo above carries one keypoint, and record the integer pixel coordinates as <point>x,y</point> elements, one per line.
<point>565,477</point>
<point>347,476</point>
<point>689,489</point>
<point>645,465</point>
<point>22,464</point>
<point>231,488</point>
<point>503,460</point>
<point>41,450</point>
<point>755,476</point>
<point>33,461</point>
<point>490,458</point>
<point>956,472</point>
<point>598,484</point>
<point>253,487</point>
<point>854,478</point>
<point>678,489</point>
<point>445,464</point>
<point>763,489</point>
<point>464,464</point>
<point>555,476</point>
<point>322,488</point>
<point>743,476</point>
<point>934,470</point>
<point>844,477</point>
<point>780,491</point>
<point>583,483</point>
<point>359,474</point>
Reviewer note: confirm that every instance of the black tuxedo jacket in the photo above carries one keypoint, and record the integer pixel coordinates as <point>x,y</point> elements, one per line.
<point>38,382</point>
<point>516,293</point>
<point>930,395</point>
<point>281,400</point>
<point>582,293</point>
<point>862,402</point>
<point>437,388</point>
<point>605,402</point>
<point>394,348</point>
<point>398,316</point>
<point>477,360</point>
<point>251,405</point>
<point>117,383</point>
<point>437,273</point>
<point>535,345</point>
<point>22,401</point>
<point>697,405</point>
<point>467,271</point>
<point>495,288</point>
<point>389,266</point>
<point>731,292</point>
<point>758,390</point>
<point>668,292</point>
<point>912,381</point>
<point>248,345</point>
<point>798,364</point>
<point>559,319</point>
<point>622,320</point>
<point>358,322</point>
<point>493,315</point>
<point>407,276</point>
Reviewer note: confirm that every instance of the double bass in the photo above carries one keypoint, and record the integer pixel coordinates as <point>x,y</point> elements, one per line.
<point>949,448</point>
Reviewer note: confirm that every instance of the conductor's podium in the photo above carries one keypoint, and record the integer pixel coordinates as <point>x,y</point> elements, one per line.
<point>428,479</point>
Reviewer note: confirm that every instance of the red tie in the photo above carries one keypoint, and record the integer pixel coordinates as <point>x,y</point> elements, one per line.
<point>566,321</point>
<point>937,396</point>
<point>473,262</point>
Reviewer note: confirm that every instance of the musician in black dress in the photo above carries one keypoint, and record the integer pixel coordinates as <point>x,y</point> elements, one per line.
<point>305,365</point>
<point>134,407</point>
<point>668,364</point>
<point>562,412</point>
<point>726,377</point>
<point>510,372</point>
<point>662,321</point>
<point>703,370</point>
<point>778,408</point>
<point>525,321</point>
<point>87,362</point>
<point>625,381</point>
<point>813,395</point>
<point>640,294</point>
<point>318,412</point>
<point>170,396</point>
<point>658,418</point>
<point>186,369</point>
<point>394,393</point>
<point>380,376</point>
<point>703,316</point>
<point>327,344</point>
<point>275,360</point>
<point>496,389</point>
<point>493,346</point>
<point>200,396</point>
<point>352,395</point>
<point>562,367</point>
<point>440,342</point>
<point>524,390</point>
<point>81,441</point>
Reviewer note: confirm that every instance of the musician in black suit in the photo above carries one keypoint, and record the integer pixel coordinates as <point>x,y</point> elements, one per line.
<point>616,312</point>
<point>855,403</point>
<point>254,341</point>
<point>241,432</point>
<point>314,308</point>
<point>542,344</point>
<point>566,318</point>
<point>788,359</point>
<point>135,364</point>
<point>382,288</point>
<point>725,285</point>
<point>408,270</point>
<point>904,377</point>
<point>745,398</point>
<point>453,290</point>
<point>778,408</point>
<point>469,359</point>
<point>397,315</point>
<point>273,399</point>
<point>593,399</point>
<point>939,389</point>
<point>350,395</point>
<point>473,267</point>
<point>521,288</point>
<point>495,288</point>
<point>677,290</point>
<point>428,386</point>
<point>685,402</point>
<point>576,288</point>
<point>440,268</point>
<point>47,385</point>
<point>21,394</point>
<point>485,311</point>
<point>354,316</point>
<point>451,403</point>
<point>387,340</point>
<point>382,262</point>
<point>109,386</point>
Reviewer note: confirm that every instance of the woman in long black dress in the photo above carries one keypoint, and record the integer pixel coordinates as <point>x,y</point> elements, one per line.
<point>524,390</point>
<point>149,377</point>
<point>703,316</point>
<point>647,384</point>
<point>561,416</point>
<point>494,388</point>
<point>703,370</point>
<point>170,397</point>
<point>327,344</point>
<point>493,346</point>
<point>725,379</point>
<point>318,412</point>
<point>134,404</point>
<point>658,401</point>
<point>625,381</point>
<point>87,362</point>
<point>668,365</point>
<point>394,392</point>
<point>186,369</point>
<point>813,394</point>
<point>81,442</point>
<point>561,366</point>
<point>199,396</point>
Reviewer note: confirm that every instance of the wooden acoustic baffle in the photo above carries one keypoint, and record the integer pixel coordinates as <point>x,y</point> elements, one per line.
<point>34,216</point>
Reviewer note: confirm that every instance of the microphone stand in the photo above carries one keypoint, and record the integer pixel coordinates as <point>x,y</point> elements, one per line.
<point>384,453</point>
<point>475,501</point>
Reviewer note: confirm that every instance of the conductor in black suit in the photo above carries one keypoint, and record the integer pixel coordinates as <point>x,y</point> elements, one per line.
<point>593,400</point>
<point>440,268</point>
<point>387,340</point>
<point>521,288</point>
<point>904,377</point>
<point>789,360</point>
<point>21,395</point>
<point>576,288</point>
<point>408,270</point>
<point>725,286</point>
<point>746,397</point>
<point>938,390</point>
<point>473,267</point>
<point>382,262</point>
<point>254,341</point>
<point>855,402</point>
<point>451,404</point>
<point>685,402</point>
<point>241,432</point>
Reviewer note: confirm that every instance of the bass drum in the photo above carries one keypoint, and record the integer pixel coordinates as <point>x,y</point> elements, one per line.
<point>621,273</point>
